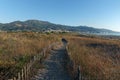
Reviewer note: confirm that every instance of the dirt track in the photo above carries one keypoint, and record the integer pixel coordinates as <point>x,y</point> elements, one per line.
<point>54,66</point>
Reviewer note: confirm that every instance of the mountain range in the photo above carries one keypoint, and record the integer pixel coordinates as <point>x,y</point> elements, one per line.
<point>41,26</point>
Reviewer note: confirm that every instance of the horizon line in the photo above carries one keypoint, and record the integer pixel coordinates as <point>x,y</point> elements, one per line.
<point>56,24</point>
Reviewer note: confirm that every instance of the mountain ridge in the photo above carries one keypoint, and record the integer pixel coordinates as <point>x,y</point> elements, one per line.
<point>38,25</point>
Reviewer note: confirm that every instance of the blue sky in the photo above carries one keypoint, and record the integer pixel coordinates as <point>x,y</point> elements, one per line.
<point>95,13</point>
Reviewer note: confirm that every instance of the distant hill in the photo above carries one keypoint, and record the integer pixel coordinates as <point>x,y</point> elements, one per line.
<point>37,25</point>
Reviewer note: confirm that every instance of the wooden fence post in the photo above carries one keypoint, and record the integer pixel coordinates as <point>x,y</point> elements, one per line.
<point>19,77</point>
<point>34,58</point>
<point>37,56</point>
<point>29,66</point>
<point>14,78</point>
<point>22,74</point>
<point>79,73</point>
<point>25,75</point>
<point>44,50</point>
<point>10,79</point>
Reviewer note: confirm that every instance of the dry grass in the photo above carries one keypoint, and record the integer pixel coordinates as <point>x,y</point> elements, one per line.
<point>16,49</point>
<point>98,58</point>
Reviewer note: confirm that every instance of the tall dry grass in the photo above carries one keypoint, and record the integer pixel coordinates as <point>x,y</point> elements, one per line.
<point>17,48</point>
<point>98,58</point>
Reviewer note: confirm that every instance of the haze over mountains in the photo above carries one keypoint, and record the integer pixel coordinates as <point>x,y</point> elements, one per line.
<point>41,26</point>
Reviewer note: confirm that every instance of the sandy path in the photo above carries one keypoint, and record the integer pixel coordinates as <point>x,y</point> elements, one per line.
<point>54,66</point>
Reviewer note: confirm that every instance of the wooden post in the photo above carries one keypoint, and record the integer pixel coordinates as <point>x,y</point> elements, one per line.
<point>40,60</point>
<point>14,78</point>
<point>30,66</point>
<point>19,78</point>
<point>25,75</point>
<point>34,58</point>
<point>44,50</point>
<point>22,74</point>
<point>30,72</point>
<point>10,79</point>
<point>79,74</point>
<point>27,66</point>
<point>39,56</point>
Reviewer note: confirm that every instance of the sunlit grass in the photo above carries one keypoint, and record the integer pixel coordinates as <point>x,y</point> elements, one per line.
<point>16,49</point>
<point>97,57</point>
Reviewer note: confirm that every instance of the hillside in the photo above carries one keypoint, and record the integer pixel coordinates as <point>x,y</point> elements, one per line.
<point>36,25</point>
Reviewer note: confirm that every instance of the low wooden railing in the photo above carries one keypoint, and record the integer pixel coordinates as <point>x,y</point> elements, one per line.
<point>26,72</point>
